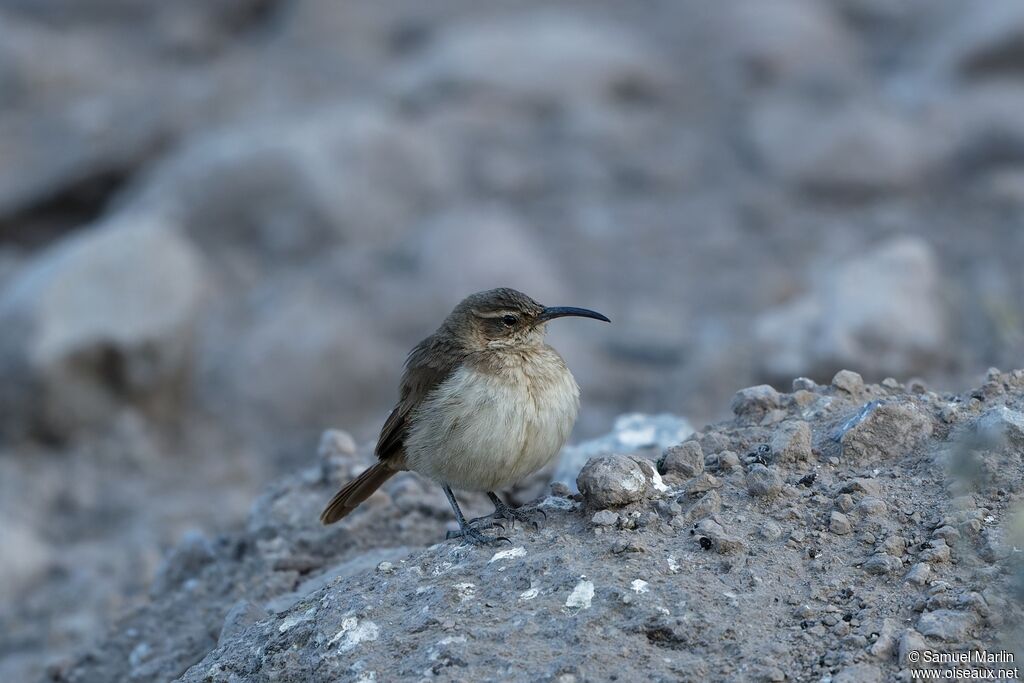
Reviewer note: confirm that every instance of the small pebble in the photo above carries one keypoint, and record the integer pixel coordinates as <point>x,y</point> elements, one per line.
<point>804,384</point>
<point>936,552</point>
<point>839,524</point>
<point>848,381</point>
<point>613,481</point>
<point>910,641</point>
<point>844,502</point>
<point>918,574</point>
<point>686,459</point>
<point>727,460</point>
<point>605,518</point>
<point>717,537</point>
<point>881,563</point>
<point>791,442</point>
<point>871,506</point>
<point>770,531</point>
<point>763,482</point>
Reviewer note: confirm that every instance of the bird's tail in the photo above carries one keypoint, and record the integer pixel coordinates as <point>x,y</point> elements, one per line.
<point>355,492</point>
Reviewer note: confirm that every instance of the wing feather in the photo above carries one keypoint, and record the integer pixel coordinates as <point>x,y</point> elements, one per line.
<point>429,364</point>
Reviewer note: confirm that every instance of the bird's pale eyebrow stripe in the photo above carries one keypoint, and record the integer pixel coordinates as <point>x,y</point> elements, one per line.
<point>493,314</point>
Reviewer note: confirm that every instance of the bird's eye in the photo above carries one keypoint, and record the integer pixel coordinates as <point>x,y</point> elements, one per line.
<point>509,320</point>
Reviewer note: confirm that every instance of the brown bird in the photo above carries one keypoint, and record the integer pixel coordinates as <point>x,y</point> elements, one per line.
<point>484,402</point>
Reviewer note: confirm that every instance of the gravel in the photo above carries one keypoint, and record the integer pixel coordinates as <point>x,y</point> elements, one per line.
<point>672,571</point>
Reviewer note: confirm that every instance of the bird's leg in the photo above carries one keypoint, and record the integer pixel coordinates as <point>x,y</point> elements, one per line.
<point>502,510</point>
<point>468,531</point>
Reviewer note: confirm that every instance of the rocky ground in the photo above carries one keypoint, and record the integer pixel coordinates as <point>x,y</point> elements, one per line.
<point>821,534</point>
<point>223,223</point>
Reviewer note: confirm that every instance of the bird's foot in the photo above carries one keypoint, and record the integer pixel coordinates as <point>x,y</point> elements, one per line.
<point>471,533</point>
<point>534,516</point>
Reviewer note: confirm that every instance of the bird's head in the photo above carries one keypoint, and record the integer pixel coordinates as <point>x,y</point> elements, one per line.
<point>504,318</point>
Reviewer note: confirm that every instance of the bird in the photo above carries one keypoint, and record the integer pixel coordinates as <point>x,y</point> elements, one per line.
<point>483,403</point>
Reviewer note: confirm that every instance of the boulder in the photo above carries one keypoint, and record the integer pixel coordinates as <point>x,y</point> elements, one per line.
<point>277,192</point>
<point>537,57</point>
<point>851,152</point>
<point>790,42</point>
<point>881,313</point>
<point>99,321</point>
<point>294,357</point>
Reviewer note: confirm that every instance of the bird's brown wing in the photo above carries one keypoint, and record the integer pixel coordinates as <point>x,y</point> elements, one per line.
<point>429,364</point>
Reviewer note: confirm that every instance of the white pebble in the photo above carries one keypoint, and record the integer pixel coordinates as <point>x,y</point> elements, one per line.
<point>508,554</point>
<point>581,595</point>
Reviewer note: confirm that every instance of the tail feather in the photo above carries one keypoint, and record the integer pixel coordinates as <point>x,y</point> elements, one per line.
<point>355,492</point>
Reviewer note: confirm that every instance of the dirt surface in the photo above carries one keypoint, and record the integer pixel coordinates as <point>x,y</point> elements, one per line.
<point>823,533</point>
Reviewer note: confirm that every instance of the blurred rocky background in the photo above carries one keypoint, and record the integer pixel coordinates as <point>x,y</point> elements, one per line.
<point>224,222</point>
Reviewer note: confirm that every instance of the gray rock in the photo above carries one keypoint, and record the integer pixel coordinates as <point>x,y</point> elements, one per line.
<point>858,151</point>
<point>948,625</point>
<point>893,545</point>
<point>888,640</point>
<point>791,442</point>
<point>613,481</point>
<point>605,518</point>
<point>102,320</point>
<point>911,641</point>
<point>717,537</point>
<point>686,459</point>
<point>293,342</point>
<point>631,433</point>
<point>881,312</point>
<point>336,452</point>
<point>887,431</point>
<point>1000,426</point>
<point>804,384</point>
<point>277,193</point>
<point>61,104</point>
<point>869,487</point>
<point>755,401</point>
<point>870,506</point>
<point>839,524</point>
<point>241,615</point>
<point>985,42</point>
<point>544,57</point>
<point>881,564</point>
<point>27,556</point>
<point>727,461</point>
<point>701,483</point>
<point>375,559</point>
<point>708,504</point>
<point>505,250</point>
<point>185,562</point>
<point>936,552</point>
<point>918,574</point>
<point>799,42</point>
<point>859,673</point>
<point>763,481</point>
<point>848,381</point>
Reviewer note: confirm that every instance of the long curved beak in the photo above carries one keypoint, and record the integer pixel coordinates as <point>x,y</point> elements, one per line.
<point>553,312</point>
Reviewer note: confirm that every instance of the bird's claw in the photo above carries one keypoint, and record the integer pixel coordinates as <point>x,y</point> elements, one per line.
<point>473,536</point>
<point>527,515</point>
<point>487,522</point>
